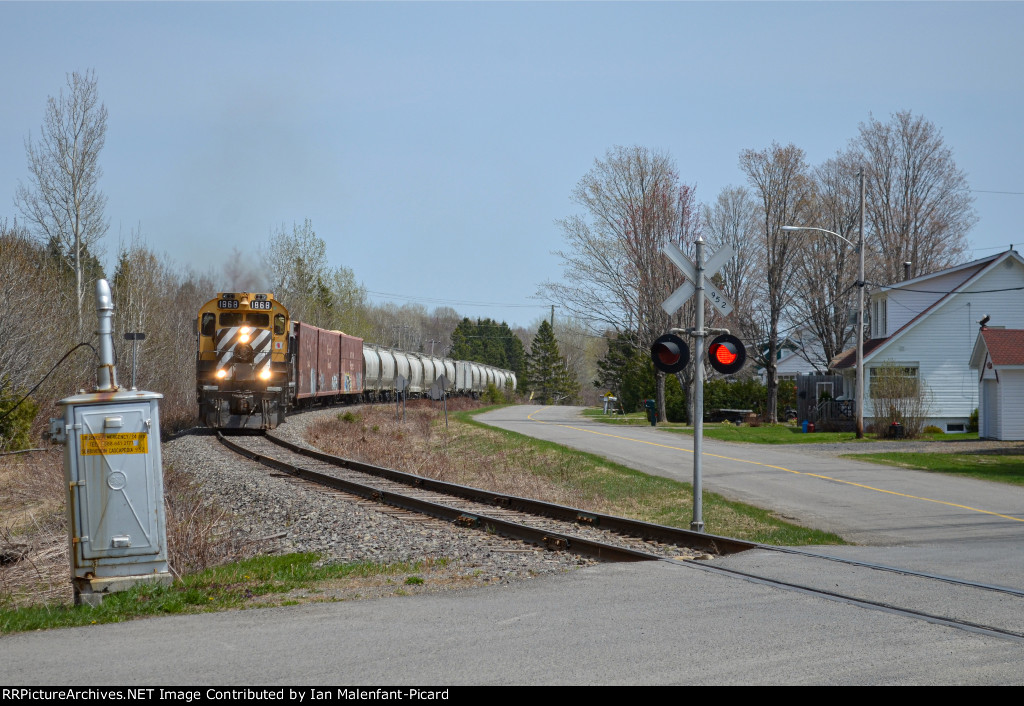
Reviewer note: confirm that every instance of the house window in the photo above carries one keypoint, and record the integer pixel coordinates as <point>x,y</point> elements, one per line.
<point>893,381</point>
<point>879,317</point>
<point>956,428</point>
<point>823,391</point>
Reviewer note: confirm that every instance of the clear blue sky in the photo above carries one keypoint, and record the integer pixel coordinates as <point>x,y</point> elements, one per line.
<point>434,145</point>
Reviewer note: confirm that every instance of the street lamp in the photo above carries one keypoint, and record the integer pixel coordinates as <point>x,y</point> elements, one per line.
<point>859,246</point>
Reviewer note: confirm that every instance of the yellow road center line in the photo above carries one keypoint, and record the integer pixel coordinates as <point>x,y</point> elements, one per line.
<point>780,468</point>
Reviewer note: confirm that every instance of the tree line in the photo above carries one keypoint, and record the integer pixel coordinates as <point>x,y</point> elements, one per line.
<point>51,257</point>
<point>917,209</point>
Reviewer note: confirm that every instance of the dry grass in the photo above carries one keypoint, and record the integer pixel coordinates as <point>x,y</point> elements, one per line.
<point>33,530</point>
<point>34,562</point>
<point>459,453</point>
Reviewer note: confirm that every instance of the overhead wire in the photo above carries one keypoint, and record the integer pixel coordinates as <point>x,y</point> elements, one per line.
<point>36,387</point>
<point>438,300</point>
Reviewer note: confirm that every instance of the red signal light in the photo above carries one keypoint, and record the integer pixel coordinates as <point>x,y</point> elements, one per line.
<point>727,354</point>
<point>723,354</point>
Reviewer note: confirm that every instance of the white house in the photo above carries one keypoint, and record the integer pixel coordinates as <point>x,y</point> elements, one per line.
<point>799,354</point>
<point>998,357</point>
<point>927,326</point>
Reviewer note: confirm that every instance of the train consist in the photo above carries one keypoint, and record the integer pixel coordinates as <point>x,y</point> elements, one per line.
<point>254,364</point>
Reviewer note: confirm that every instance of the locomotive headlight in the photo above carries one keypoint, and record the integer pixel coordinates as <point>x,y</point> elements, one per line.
<point>243,334</point>
<point>265,374</point>
<point>244,338</point>
<point>222,373</point>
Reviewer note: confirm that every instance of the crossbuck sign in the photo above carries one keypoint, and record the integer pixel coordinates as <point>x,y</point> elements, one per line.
<point>689,270</point>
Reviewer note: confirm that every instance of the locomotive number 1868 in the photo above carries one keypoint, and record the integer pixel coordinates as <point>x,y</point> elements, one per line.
<point>227,303</point>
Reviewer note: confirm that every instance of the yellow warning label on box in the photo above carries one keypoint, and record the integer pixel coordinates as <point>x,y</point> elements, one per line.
<point>107,444</point>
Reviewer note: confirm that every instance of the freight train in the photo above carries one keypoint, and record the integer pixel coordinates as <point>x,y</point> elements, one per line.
<point>254,364</point>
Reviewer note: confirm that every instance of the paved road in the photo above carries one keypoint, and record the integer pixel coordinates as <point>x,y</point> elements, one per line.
<point>864,502</point>
<point>646,623</point>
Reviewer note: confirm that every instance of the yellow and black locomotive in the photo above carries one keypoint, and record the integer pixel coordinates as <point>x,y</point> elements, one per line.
<point>254,364</point>
<point>242,361</point>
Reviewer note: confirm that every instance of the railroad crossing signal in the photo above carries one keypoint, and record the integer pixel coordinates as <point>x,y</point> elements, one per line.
<point>725,351</point>
<point>727,354</point>
<point>670,354</point>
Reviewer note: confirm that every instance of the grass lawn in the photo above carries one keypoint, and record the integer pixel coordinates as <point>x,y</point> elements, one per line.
<point>263,581</point>
<point>999,467</point>
<point>764,434</point>
<point>599,485</point>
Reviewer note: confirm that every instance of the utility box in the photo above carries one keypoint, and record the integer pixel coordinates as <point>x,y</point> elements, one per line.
<point>115,480</point>
<point>114,477</point>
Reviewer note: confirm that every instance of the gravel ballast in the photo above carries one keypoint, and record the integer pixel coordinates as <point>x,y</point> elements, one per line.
<point>272,514</point>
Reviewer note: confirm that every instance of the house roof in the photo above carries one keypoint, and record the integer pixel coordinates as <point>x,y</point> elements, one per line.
<point>907,283</point>
<point>1005,347</point>
<point>847,359</point>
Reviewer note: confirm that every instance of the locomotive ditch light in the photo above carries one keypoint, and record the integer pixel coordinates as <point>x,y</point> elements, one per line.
<point>265,374</point>
<point>221,374</point>
<point>670,354</point>
<point>727,354</point>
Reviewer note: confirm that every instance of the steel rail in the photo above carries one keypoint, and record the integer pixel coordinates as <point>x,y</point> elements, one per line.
<point>896,570</point>
<point>861,602</point>
<point>636,528</point>
<point>512,530</point>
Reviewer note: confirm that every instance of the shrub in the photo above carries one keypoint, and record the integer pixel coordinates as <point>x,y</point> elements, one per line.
<point>932,429</point>
<point>972,422</point>
<point>492,395</point>
<point>898,397</point>
<point>15,422</point>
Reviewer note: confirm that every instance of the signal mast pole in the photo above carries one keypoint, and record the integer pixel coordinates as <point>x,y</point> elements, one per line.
<point>697,524</point>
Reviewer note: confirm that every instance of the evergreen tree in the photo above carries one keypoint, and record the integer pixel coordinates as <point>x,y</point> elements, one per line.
<point>547,374</point>
<point>490,343</point>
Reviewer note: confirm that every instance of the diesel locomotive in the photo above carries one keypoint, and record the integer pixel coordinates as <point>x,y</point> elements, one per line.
<point>254,364</point>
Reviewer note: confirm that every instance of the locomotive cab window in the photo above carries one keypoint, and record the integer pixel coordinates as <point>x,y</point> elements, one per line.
<point>279,325</point>
<point>208,324</point>
<point>237,318</point>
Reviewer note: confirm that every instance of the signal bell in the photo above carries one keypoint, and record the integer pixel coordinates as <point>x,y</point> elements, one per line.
<point>727,354</point>
<point>670,354</point>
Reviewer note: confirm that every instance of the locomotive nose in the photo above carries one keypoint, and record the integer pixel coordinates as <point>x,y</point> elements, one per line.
<point>244,353</point>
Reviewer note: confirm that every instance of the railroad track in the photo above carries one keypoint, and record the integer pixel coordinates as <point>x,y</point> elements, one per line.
<point>956,603</point>
<point>556,527</point>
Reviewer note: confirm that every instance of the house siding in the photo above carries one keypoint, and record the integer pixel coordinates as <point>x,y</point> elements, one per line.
<point>904,304</point>
<point>941,343</point>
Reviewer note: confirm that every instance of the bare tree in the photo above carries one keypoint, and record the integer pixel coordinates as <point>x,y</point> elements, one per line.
<point>302,279</point>
<point>733,221</point>
<point>779,177</point>
<point>28,286</point>
<point>826,293</point>
<point>63,201</point>
<point>919,207</point>
<point>615,275</point>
